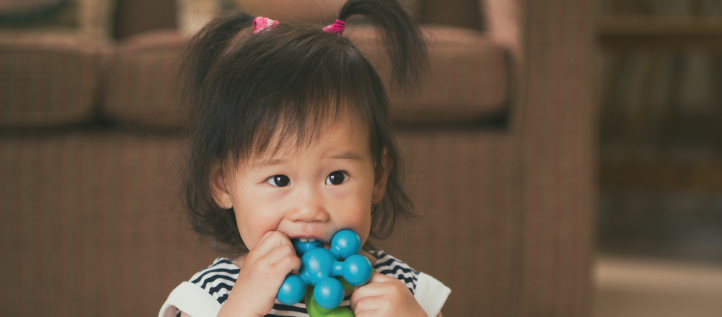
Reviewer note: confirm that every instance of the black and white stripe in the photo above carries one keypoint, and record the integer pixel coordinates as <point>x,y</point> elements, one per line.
<point>219,278</point>
<point>393,267</point>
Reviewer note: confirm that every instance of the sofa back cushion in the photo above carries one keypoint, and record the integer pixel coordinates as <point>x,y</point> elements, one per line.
<point>459,13</point>
<point>134,17</point>
<point>88,19</point>
<point>141,81</point>
<point>47,79</point>
<point>468,79</point>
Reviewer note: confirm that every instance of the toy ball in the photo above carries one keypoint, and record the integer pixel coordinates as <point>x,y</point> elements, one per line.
<point>321,267</point>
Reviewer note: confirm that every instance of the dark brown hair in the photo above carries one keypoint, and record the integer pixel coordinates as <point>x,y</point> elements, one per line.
<point>244,88</point>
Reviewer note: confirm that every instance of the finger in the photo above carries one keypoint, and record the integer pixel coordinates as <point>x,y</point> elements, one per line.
<point>366,304</point>
<point>288,264</point>
<point>279,252</point>
<point>368,290</point>
<point>276,265</point>
<point>380,278</point>
<point>376,287</point>
<point>377,278</point>
<point>271,240</point>
<point>265,235</point>
<point>261,242</point>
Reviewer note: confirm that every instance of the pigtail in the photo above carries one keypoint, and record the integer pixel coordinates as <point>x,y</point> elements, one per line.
<point>197,61</point>
<point>205,47</point>
<point>404,41</point>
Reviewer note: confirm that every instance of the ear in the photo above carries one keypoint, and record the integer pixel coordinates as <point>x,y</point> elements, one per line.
<point>219,188</point>
<point>381,176</point>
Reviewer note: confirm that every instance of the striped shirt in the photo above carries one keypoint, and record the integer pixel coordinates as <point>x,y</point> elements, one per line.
<point>219,278</point>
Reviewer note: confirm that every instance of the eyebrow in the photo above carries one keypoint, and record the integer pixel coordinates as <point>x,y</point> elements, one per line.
<point>269,162</point>
<point>350,155</point>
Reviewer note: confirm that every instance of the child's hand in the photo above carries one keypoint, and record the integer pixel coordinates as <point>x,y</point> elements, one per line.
<point>263,271</point>
<point>385,296</point>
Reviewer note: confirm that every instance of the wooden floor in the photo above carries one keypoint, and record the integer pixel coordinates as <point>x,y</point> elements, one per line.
<point>628,287</point>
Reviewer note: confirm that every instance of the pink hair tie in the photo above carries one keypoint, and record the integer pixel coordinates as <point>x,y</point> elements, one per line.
<point>336,27</point>
<point>261,23</point>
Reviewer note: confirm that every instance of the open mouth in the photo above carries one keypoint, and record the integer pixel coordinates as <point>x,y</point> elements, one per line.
<point>312,240</point>
<point>303,244</point>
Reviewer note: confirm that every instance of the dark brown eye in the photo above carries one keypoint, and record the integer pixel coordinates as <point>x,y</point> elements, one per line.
<point>279,180</point>
<point>336,178</point>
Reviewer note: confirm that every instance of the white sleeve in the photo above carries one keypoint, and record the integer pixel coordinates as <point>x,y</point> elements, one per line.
<point>192,300</point>
<point>431,294</point>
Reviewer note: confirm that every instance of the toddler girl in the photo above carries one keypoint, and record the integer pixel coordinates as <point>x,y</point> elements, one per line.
<point>290,139</point>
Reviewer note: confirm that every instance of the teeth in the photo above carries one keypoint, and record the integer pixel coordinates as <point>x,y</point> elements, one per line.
<point>303,239</point>
<point>311,239</point>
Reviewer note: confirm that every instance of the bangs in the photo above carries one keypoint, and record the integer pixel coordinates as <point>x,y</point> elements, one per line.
<point>286,87</point>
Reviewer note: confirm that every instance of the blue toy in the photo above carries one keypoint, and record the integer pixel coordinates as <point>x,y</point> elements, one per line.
<point>319,267</point>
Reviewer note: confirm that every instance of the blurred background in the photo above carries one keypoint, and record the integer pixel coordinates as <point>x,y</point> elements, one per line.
<point>567,154</point>
<point>659,221</point>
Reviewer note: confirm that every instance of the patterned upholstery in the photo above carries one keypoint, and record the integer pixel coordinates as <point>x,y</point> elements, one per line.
<point>555,131</point>
<point>89,225</point>
<point>141,77</point>
<point>134,17</point>
<point>47,79</point>
<point>463,186</point>
<point>468,79</point>
<point>86,19</point>
<point>104,209</point>
<point>509,223</point>
<point>460,13</point>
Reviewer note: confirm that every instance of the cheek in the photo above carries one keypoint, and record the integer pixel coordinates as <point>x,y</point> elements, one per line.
<point>357,203</point>
<point>367,200</point>
<point>365,228</point>
<point>253,222</point>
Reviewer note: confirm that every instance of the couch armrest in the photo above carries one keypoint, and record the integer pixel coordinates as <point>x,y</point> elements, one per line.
<point>503,22</point>
<point>554,122</point>
<point>552,125</point>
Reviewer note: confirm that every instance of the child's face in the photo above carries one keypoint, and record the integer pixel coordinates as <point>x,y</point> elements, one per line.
<point>311,192</point>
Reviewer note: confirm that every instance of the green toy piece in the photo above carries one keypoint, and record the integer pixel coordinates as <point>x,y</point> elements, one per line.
<point>314,310</point>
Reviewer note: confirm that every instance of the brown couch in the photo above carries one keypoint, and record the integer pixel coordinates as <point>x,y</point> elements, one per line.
<point>500,136</point>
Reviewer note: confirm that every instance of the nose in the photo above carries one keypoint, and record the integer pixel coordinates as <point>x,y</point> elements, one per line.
<point>308,206</point>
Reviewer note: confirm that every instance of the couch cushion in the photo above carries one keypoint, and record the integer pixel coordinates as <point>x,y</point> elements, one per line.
<point>90,227</point>
<point>140,16</point>
<point>140,81</point>
<point>194,14</point>
<point>46,79</point>
<point>460,13</point>
<point>463,183</point>
<point>88,19</point>
<point>468,79</point>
